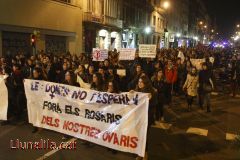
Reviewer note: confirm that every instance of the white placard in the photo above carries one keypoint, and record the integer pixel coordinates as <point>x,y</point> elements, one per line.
<point>127,54</point>
<point>121,72</point>
<point>147,51</point>
<point>99,54</point>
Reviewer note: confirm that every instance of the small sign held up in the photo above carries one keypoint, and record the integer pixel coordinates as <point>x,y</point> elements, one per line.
<point>147,51</point>
<point>127,54</point>
<point>99,54</point>
<point>121,72</point>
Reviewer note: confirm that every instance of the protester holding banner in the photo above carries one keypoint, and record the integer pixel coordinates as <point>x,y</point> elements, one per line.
<point>70,79</point>
<point>89,74</point>
<point>144,85</point>
<point>81,71</point>
<point>97,82</point>
<point>37,75</point>
<point>135,76</point>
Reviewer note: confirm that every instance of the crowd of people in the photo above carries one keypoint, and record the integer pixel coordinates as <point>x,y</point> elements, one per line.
<point>165,76</point>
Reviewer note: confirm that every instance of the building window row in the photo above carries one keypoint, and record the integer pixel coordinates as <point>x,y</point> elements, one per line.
<point>160,22</point>
<point>64,1</point>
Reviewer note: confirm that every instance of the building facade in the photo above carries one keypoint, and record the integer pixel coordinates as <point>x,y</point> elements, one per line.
<point>177,23</point>
<point>102,24</point>
<point>58,22</point>
<point>143,23</point>
<point>200,26</point>
<point>158,23</point>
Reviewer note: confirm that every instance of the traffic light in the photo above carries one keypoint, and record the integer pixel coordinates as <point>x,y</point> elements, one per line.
<point>33,40</point>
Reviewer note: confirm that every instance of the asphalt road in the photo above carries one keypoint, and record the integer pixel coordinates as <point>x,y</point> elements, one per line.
<point>194,135</point>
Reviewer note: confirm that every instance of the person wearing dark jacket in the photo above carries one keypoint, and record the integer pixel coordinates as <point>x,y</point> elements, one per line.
<point>89,74</point>
<point>97,82</point>
<point>28,69</point>
<point>159,83</point>
<point>205,87</point>
<point>70,79</point>
<point>16,92</point>
<point>62,73</point>
<point>134,78</point>
<point>235,76</point>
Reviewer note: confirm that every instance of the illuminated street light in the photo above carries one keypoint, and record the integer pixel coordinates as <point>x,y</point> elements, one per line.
<point>212,30</point>
<point>238,26</point>
<point>166,5</point>
<point>201,22</point>
<point>236,38</point>
<point>196,38</point>
<point>205,26</point>
<point>147,30</point>
<point>178,34</point>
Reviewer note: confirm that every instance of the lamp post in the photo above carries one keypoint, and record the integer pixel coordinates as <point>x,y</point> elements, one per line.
<point>166,5</point>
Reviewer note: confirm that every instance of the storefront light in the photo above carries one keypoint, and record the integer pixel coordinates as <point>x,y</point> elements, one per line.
<point>102,33</point>
<point>113,34</point>
<point>178,34</point>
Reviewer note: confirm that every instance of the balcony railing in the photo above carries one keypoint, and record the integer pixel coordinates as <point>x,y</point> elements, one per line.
<point>106,20</point>
<point>90,17</point>
<point>112,21</point>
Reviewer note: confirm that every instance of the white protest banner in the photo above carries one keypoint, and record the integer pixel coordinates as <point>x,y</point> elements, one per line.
<point>127,53</point>
<point>197,63</point>
<point>82,83</point>
<point>147,51</point>
<point>99,54</point>
<point>3,98</point>
<point>117,121</point>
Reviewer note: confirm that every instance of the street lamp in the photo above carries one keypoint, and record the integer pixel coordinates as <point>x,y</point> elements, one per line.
<point>236,38</point>
<point>205,26</point>
<point>238,25</point>
<point>166,4</point>
<point>212,30</point>
<point>147,30</point>
<point>201,22</point>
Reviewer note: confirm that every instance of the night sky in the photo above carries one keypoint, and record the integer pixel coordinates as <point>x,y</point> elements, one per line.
<point>227,14</point>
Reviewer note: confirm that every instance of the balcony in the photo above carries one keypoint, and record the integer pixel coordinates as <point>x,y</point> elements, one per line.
<point>90,17</point>
<point>112,21</point>
<point>106,20</point>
